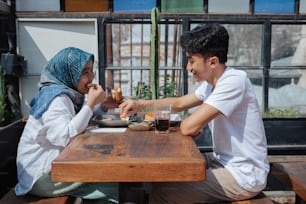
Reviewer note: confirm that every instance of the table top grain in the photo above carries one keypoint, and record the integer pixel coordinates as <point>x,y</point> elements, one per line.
<point>132,156</point>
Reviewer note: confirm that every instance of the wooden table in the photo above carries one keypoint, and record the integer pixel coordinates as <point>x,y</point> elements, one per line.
<point>132,156</point>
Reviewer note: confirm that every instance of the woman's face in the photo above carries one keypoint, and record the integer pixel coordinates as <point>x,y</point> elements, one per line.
<point>86,78</point>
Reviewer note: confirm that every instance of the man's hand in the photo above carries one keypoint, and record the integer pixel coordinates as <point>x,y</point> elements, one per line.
<point>198,134</point>
<point>129,108</point>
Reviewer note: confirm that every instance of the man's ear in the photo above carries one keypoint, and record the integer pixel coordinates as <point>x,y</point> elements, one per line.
<point>214,61</point>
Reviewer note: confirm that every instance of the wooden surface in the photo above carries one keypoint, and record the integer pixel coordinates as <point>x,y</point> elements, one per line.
<point>265,200</point>
<point>133,156</point>
<point>292,174</point>
<point>11,198</point>
<point>86,6</point>
<point>286,158</point>
<point>261,198</point>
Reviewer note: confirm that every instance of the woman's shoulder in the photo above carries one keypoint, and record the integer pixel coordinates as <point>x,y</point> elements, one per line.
<point>62,100</point>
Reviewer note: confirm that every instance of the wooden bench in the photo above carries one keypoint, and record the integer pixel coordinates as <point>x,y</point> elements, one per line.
<point>11,198</point>
<point>259,199</point>
<point>293,175</point>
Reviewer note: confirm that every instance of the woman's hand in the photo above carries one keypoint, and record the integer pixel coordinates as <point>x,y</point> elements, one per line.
<point>96,95</point>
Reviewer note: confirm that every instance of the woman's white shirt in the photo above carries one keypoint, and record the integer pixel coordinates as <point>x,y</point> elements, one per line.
<point>43,139</point>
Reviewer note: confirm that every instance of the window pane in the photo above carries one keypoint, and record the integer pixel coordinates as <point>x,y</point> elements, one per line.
<point>182,6</point>
<point>287,84</point>
<point>244,44</point>
<point>226,6</point>
<point>130,44</point>
<point>274,6</point>
<point>288,45</point>
<point>302,6</point>
<point>287,94</point>
<point>133,5</point>
<point>129,56</point>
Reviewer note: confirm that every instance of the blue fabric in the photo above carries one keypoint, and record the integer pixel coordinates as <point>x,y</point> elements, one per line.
<point>61,75</point>
<point>105,192</point>
<point>41,101</point>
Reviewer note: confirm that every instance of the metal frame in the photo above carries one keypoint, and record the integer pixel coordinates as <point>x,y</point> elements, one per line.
<point>186,19</point>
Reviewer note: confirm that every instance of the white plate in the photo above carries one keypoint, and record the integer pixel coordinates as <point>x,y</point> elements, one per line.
<point>112,123</point>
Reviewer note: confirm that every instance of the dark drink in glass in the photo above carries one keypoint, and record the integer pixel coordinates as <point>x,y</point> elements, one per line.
<point>162,112</point>
<point>162,125</point>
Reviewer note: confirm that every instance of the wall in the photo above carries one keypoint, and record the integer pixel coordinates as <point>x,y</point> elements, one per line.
<point>38,40</point>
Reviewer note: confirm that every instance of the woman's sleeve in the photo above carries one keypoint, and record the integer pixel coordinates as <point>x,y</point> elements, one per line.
<point>60,122</point>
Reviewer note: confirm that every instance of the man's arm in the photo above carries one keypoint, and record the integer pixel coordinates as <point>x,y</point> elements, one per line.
<point>194,124</point>
<point>179,104</point>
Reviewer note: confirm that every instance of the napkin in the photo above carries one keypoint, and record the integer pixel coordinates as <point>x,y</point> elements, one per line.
<point>107,130</point>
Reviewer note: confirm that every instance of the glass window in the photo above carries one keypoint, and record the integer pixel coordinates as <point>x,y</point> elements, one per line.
<point>226,6</point>
<point>182,6</point>
<point>129,56</point>
<point>287,93</point>
<point>133,5</point>
<point>287,86</point>
<point>288,45</point>
<point>244,45</point>
<point>274,6</point>
<point>302,6</point>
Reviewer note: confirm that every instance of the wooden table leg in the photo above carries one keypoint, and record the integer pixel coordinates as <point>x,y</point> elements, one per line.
<point>131,192</point>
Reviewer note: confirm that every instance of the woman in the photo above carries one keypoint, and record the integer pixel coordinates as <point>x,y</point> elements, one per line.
<point>57,114</point>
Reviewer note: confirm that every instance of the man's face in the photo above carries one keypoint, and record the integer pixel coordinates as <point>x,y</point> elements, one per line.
<point>199,67</point>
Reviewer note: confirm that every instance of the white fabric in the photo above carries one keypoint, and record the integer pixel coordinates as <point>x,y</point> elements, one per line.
<point>42,140</point>
<point>239,140</point>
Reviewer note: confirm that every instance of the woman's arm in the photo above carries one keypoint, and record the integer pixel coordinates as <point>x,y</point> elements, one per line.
<point>61,123</point>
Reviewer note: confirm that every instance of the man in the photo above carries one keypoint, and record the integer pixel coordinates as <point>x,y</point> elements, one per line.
<point>237,168</point>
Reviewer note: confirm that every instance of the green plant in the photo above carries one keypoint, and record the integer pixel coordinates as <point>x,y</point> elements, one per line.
<point>143,91</point>
<point>2,98</point>
<point>170,88</point>
<point>286,112</point>
<point>5,113</point>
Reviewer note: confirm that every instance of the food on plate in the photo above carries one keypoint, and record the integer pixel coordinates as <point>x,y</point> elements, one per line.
<point>122,118</point>
<point>107,119</point>
<point>117,95</point>
<point>140,125</point>
<point>115,117</point>
<point>149,116</point>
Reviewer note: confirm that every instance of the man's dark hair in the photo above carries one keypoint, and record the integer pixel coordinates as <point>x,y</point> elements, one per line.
<point>208,40</point>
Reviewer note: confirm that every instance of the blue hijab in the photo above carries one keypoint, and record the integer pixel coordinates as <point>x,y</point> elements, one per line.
<point>61,75</point>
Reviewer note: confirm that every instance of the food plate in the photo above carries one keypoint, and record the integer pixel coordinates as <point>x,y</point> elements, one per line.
<point>112,123</point>
<point>110,120</point>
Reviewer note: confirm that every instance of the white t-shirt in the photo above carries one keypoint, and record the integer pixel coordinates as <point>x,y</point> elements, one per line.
<point>43,139</point>
<point>239,140</point>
